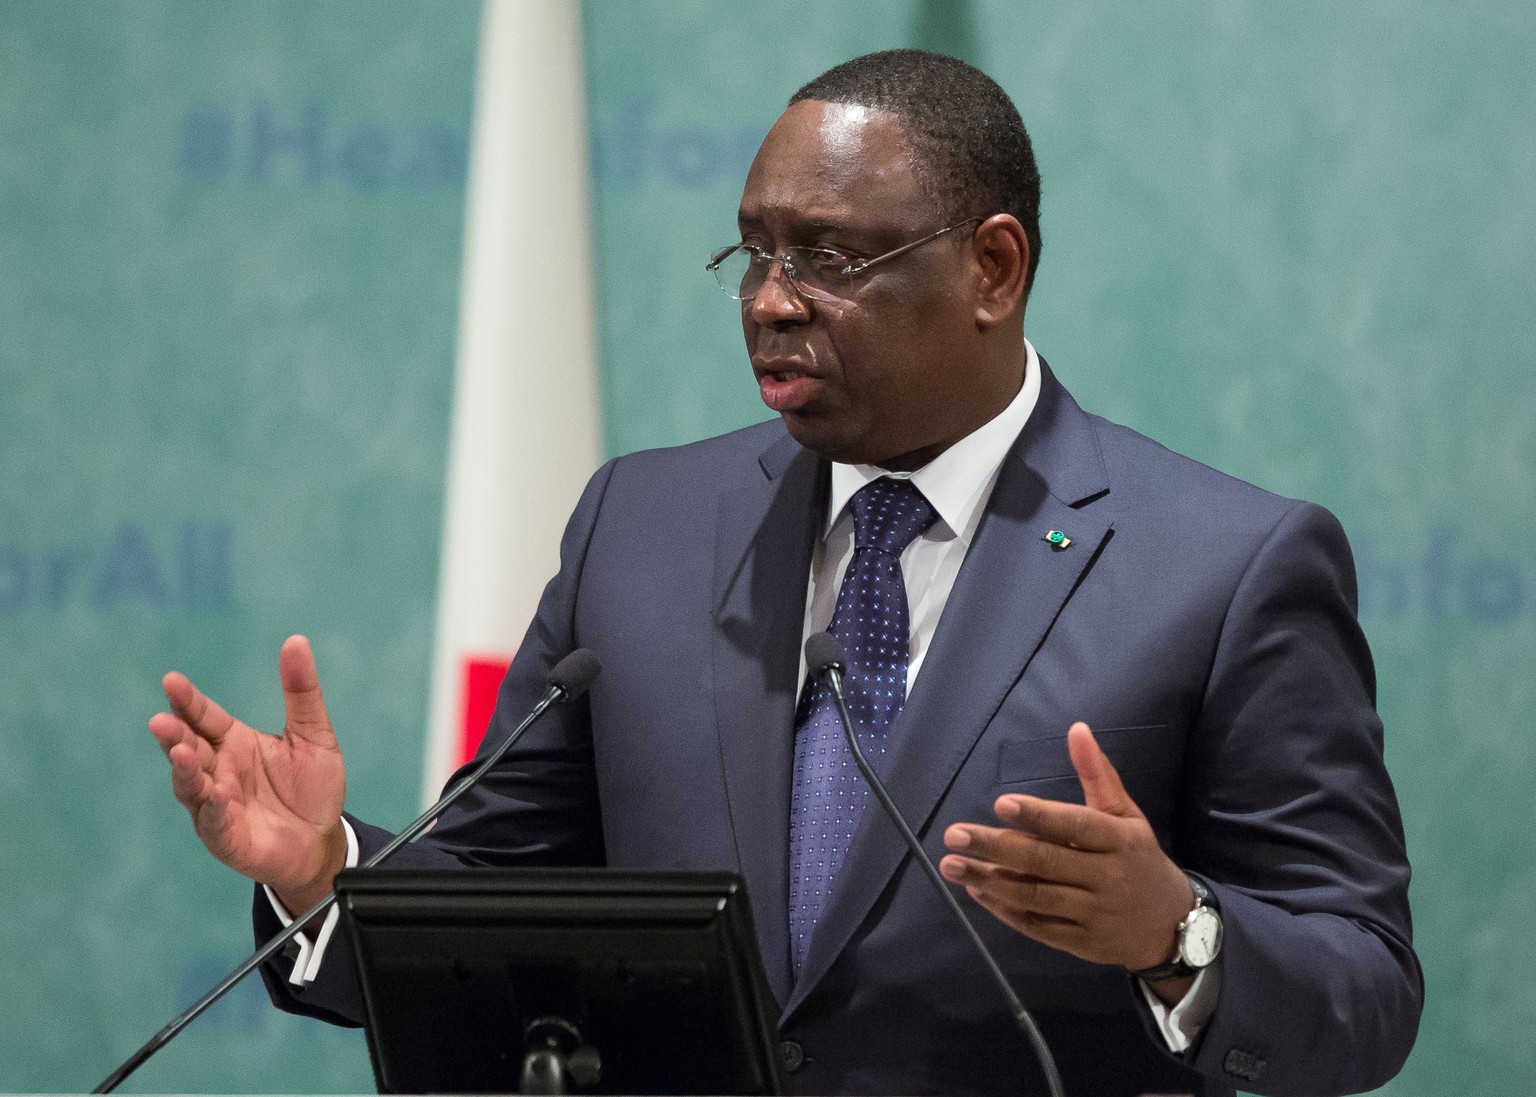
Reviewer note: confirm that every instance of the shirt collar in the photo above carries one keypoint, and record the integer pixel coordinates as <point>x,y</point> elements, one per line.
<point>958,481</point>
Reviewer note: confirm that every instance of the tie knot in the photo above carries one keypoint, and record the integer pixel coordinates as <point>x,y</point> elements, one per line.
<point>888,514</point>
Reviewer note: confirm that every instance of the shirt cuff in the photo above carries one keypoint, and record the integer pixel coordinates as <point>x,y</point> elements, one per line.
<point>1181,1024</point>
<point>307,965</point>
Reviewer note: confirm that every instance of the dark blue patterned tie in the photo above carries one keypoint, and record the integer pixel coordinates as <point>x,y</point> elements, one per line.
<point>871,621</point>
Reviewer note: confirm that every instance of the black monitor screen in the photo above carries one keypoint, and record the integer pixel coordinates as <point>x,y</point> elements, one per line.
<point>647,983</point>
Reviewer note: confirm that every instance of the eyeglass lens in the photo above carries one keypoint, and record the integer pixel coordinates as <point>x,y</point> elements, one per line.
<point>815,273</point>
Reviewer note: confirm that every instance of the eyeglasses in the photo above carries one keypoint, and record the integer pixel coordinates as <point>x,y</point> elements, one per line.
<point>818,273</point>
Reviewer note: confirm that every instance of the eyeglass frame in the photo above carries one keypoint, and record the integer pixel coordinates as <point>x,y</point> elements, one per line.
<point>851,270</point>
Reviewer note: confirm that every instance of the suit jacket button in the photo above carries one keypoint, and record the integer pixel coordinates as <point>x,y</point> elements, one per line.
<point>791,1056</point>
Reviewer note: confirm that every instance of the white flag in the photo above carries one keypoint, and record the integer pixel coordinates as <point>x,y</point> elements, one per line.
<point>525,432</point>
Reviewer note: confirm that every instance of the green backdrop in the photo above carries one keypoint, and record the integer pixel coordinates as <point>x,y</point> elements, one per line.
<point>1291,240</point>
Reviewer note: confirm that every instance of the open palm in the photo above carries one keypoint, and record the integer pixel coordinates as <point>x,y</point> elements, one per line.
<point>268,806</point>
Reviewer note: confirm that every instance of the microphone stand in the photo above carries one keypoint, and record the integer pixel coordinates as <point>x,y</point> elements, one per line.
<point>831,671</point>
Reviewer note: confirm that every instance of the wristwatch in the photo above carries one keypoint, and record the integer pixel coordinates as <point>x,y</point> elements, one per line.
<point>1198,937</point>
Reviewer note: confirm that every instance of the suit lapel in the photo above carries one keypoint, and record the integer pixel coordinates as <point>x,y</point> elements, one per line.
<point>765,535</point>
<point>1008,593</point>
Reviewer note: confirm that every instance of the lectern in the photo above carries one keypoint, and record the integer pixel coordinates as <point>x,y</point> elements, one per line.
<point>560,981</point>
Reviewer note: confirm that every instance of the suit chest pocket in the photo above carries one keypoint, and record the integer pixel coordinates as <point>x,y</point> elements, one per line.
<point>1145,756</point>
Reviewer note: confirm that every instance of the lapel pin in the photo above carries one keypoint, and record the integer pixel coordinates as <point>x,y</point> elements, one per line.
<point>1057,540</point>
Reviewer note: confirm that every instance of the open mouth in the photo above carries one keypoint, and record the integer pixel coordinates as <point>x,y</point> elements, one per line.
<point>786,390</point>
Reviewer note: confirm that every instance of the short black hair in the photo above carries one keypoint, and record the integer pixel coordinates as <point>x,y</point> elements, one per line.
<point>972,154</point>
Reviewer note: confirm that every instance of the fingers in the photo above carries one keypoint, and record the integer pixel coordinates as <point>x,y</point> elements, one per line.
<point>208,797</point>
<point>191,759</point>
<point>192,784</point>
<point>167,730</point>
<point>170,731</point>
<point>302,700</point>
<point>1102,789</point>
<point>190,736</point>
<point>1011,894</point>
<point>1055,914</point>
<point>1071,825</point>
<point>1020,854</point>
<point>200,711</point>
<point>1067,934</point>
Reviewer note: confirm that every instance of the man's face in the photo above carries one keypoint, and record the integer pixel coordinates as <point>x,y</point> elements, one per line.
<point>883,376</point>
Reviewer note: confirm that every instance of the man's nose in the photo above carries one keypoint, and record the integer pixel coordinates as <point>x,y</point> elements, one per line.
<point>777,301</point>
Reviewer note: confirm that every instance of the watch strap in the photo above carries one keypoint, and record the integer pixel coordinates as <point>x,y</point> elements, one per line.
<point>1173,969</point>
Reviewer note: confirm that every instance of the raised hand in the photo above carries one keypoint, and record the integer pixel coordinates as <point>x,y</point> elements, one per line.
<point>1087,879</point>
<point>267,806</point>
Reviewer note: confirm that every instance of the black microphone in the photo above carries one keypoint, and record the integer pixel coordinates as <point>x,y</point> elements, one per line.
<point>824,660</point>
<point>567,681</point>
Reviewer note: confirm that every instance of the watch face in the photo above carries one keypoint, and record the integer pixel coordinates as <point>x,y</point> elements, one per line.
<point>1201,939</point>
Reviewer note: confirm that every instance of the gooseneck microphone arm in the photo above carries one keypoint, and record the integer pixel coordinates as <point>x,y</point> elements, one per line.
<point>824,658</point>
<point>567,681</point>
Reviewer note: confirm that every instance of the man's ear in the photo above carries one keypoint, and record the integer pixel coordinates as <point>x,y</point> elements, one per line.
<point>1001,253</point>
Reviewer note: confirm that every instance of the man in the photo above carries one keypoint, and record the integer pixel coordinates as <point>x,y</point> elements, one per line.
<point>1124,697</point>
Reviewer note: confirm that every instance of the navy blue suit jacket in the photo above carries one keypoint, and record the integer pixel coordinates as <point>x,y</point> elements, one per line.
<point>1205,629</point>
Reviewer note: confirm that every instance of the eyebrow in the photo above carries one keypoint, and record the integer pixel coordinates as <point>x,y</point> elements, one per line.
<point>812,227</point>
